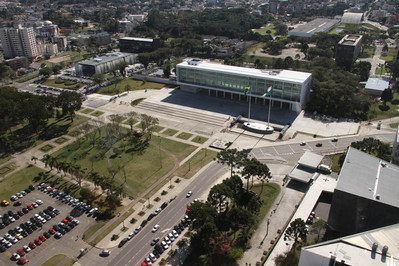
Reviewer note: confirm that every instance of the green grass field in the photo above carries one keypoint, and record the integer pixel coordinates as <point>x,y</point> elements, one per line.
<point>184,135</point>
<point>367,53</point>
<point>394,125</point>
<point>263,30</point>
<point>268,196</point>
<point>199,139</point>
<point>170,132</point>
<point>195,163</point>
<point>375,112</point>
<point>97,113</point>
<point>57,259</point>
<point>63,84</point>
<point>134,85</point>
<point>87,111</point>
<point>390,56</point>
<point>335,166</point>
<point>28,77</point>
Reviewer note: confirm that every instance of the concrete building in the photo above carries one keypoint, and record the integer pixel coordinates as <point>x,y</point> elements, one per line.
<point>49,49</point>
<point>318,25</point>
<point>18,41</point>
<point>365,197</point>
<point>48,29</point>
<point>138,45</point>
<point>375,86</point>
<point>289,88</point>
<point>376,247</point>
<point>102,38</point>
<point>348,50</point>
<point>395,148</point>
<point>17,62</point>
<point>103,64</point>
<point>305,171</point>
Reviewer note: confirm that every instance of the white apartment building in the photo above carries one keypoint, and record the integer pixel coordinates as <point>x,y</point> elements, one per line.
<point>18,41</point>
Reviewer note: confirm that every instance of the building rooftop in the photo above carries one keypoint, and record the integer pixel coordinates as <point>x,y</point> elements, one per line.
<point>137,39</point>
<point>310,159</point>
<point>369,177</point>
<point>103,59</point>
<point>278,75</point>
<point>351,39</point>
<point>357,249</point>
<point>352,18</point>
<point>317,25</point>
<point>379,84</point>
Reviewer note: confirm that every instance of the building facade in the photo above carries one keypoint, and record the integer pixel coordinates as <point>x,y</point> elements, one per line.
<point>289,88</point>
<point>18,41</point>
<point>138,45</point>
<point>103,64</point>
<point>395,148</point>
<point>348,50</point>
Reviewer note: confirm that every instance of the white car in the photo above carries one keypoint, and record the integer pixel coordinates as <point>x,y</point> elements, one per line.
<point>302,143</point>
<point>148,261</point>
<point>157,211</point>
<point>130,235</point>
<point>27,249</point>
<point>167,240</point>
<point>175,234</point>
<point>15,256</point>
<point>171,237</point>
<point>40,202</point>
<point>189,194</point>
<point>164,244</point>
<point>152,257</point>
<point>156,227</point>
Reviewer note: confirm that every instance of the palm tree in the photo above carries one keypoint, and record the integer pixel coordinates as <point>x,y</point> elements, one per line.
<point>33,158</point>
<point>46,159</point>
<point>52,163</point>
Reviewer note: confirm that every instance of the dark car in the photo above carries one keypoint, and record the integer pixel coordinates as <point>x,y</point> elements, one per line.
<point>6,222</point>
<point>163,206</point>
<point>150,217</point>
<point>24,233</point>
<point>50,208</point>
<point>11,213</point>
<point>29,230</point>
<point>2,226</point>
<point>46,235</point>
<point>28,190</point>
<point>56,211</point>
<point>34,227</point>
<point>16,216</point>
<point>56,227</point>
<point>2,248</point>
<point>25,210</point>
<point>31,187</point>
<point>20,213</point>
<point>12,232</point>
<point>319,144</point>
<point>123,242</point>
<point>159,248</point>
<point>17,203</point>
<point>62,231</point>
<point>143,223</point>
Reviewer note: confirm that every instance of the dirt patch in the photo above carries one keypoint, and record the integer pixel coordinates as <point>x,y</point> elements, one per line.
<point>59,59</point>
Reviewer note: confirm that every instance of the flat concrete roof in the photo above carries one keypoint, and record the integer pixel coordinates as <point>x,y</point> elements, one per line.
<point>378,84</point>
<point>302,174</point>
<point>137,39</point>
<point>310,159</point>
<point>278,75</point>
<point>369,177</point>
<point>351,39</point>
<point>314,26</point>
<point>357,249</point>
<point>103,59</point>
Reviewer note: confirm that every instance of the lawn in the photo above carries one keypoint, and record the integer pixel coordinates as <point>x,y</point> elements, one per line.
<point>61,140</point>
<point>251,50</point>
<point>335,166</point>
<point>73,57</point>
<point>97,113</point>
<point>63,84</point>
<point>268,196</point>
<point>28,77</point>
<point>170,132</point>
<point>367,53</point>
<point>141,165</point>
<point>7,168</point>
<point>87,111</point>
<point>46,148</point>
<point>199,139</point>
<point>377,110</point>
<point>57,259</point>
<point>195,163</point>
<point>381,71</point>
<point>390,56</point>
<point>5,158</point>
<point>263,30</point>
<point>134,85</point>
<point>184,135</point>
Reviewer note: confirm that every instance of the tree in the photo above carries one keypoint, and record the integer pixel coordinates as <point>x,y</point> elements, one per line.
<point>147,124</point>
<point>131,119</point>
<point>297,230</point>
<point>69,102</point>
<point>98,78</point>
<point>231,157</point>
<point>387,96</point>
<point>166,70</point>
<point>37,110</point>
<point>252,167</point>
<point>362,69</point>
<point>236,186</point>
<point>374,147</point>
<point>47,71</point>
<point>33,158</point>
<point>288,62</point>
<point>219,194</point>
<point>318,227</point>
<point>6,72</point>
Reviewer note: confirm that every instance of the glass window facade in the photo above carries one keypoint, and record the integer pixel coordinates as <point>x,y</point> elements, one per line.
<point>236,83</point>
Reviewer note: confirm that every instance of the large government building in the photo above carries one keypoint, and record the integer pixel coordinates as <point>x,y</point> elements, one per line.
<point>289,88</point>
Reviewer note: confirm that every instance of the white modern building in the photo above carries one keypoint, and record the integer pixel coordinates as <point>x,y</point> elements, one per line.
<point>18,41</point>
<point>290,89</point>
<point>103,64</point>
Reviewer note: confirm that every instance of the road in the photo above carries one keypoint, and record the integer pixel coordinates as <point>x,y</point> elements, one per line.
<point>138,248</point>
<point>328,146</point>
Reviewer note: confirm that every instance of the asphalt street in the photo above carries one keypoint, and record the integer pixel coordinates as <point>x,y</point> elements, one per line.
<point>138,248</point>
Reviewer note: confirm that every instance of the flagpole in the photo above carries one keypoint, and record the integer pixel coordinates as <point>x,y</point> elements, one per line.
<point>249,108</point>
<point>270,105</point>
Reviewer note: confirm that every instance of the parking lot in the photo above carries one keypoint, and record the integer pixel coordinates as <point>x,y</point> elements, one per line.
<point>30,229</point>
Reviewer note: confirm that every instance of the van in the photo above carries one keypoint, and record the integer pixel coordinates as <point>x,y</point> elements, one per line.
<point>324,168</point>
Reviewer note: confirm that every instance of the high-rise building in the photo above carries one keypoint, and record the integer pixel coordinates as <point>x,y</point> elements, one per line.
<point>18,41</point>
<point>348,50</point>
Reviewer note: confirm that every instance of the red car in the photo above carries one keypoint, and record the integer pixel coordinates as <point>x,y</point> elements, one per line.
<point>42,238</point>
<point>29,207</point>
<point>65,221</point>
<point>32,245</point>
<point>22,261</point>
<point>51,231</point>
<point>38,242</point>
<point>21,252</point>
